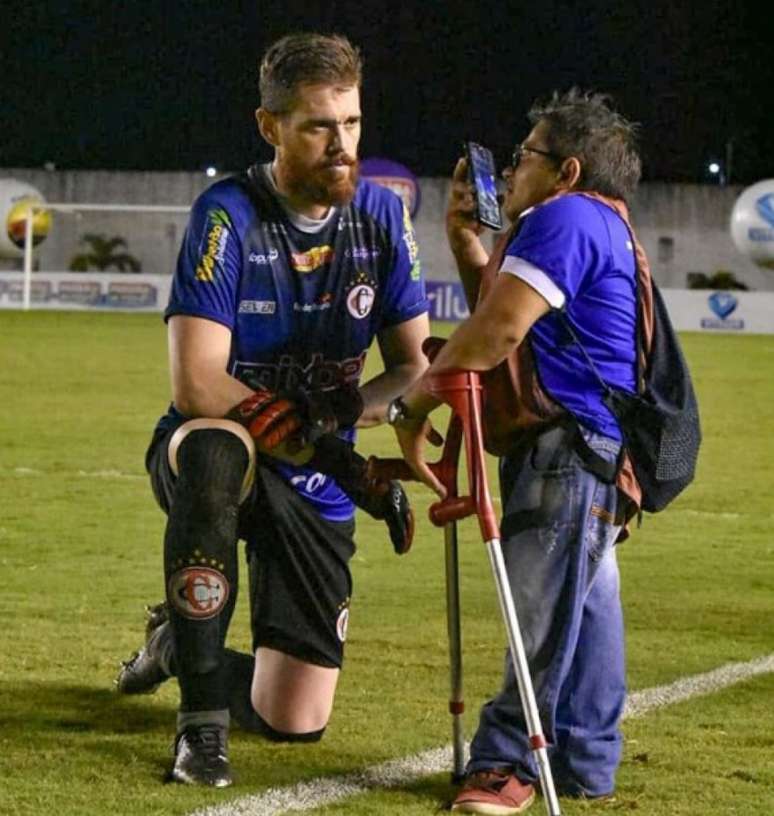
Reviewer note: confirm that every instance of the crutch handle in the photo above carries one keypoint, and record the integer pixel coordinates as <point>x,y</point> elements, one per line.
<point>461,390</point>
<point>445,469</point>
<point>386,469</point>
<point>451,509</point>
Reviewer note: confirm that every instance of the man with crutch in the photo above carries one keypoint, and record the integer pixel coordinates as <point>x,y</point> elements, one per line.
<point>569,256</point>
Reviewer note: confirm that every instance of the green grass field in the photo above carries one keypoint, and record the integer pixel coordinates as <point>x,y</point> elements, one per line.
<point>80,549</point>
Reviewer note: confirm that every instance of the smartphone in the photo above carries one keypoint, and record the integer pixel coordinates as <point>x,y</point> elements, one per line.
<point>481,172</point>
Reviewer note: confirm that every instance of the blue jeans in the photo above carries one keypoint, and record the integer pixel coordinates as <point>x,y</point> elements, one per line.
<point>558,535</point>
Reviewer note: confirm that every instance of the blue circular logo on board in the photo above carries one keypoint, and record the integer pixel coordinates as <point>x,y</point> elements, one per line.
<point>722,304</point>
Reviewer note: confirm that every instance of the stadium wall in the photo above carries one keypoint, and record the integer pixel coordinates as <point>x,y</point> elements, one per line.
<point>691,310</point>
<point>684,227</point>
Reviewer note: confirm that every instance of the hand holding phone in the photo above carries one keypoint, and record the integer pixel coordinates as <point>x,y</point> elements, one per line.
<point>481,171</point>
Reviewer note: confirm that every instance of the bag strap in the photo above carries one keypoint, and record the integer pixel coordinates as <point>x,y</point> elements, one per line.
<point>592,461</point>
<point>605,470</point>
<point>568,327</point>
<point>638,328</point>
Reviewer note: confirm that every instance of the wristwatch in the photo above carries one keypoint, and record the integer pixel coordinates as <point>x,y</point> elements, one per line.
<point>397,410</point>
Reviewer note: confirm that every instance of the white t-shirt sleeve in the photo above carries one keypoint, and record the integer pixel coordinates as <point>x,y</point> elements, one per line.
<point>536,278</point>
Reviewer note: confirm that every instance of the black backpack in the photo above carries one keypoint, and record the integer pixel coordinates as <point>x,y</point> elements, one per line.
<point>660,425</point>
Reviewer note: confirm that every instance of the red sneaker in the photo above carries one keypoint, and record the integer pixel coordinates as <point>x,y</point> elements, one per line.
<point>493,793</point>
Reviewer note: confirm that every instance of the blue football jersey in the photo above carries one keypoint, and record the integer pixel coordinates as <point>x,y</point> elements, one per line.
<point>303,307</point>
<point>585,249</point>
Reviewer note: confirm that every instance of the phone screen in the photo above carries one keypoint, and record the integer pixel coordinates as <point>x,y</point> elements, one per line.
<point>481,168</point>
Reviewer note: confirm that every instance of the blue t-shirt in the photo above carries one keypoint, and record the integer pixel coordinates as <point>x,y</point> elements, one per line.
<point>585,248</point>
<point>303,307</point>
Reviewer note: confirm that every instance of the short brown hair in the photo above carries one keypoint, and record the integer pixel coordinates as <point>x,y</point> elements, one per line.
<point>584,125</point>
<point>306,58</point>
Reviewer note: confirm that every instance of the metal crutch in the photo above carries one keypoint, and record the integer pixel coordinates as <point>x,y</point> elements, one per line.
<point>446,472</point>
<point>461,390</point>
<point>447,475</point>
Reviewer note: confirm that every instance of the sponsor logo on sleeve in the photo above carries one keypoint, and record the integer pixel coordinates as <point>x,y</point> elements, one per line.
<point>312,259</point>
<point>257,307</point>
<point>215,244</point>
<point>410,240</point>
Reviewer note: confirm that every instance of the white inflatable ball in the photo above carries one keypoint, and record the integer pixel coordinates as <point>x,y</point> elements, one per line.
<point>752,223</point>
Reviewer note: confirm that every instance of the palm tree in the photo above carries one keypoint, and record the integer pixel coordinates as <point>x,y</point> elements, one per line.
<point>102,255</point>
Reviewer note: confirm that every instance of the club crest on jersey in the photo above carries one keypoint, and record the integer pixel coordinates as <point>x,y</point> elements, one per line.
<point>198,593</point>
<point>217,236</point>
<point>361,295</point>
<point>312,259</point>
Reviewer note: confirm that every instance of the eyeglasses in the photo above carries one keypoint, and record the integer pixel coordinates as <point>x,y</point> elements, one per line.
<point>520,150</point>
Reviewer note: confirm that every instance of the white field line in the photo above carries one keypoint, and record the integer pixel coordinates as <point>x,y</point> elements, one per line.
<point>110,474</point>
<point>641,702</point>
<point>84,474</point>
<point>401,772</point>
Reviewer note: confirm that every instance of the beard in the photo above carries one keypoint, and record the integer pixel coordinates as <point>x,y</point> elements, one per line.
<point>316,185</point>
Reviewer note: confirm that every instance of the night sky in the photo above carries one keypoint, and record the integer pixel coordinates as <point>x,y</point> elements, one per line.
<point>168,86</point>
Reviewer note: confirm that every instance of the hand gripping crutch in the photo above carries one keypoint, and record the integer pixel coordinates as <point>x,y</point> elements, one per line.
<point>461,390</point>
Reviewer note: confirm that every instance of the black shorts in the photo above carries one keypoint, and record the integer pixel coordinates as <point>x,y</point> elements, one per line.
<point>300,582</point>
